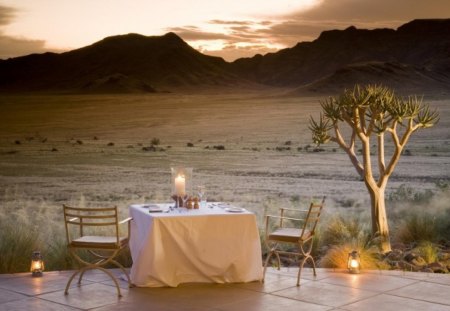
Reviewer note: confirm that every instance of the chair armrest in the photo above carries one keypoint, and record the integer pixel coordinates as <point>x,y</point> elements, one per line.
<point>125,220</point>
<point>294,210</point>
<point>288,218</point>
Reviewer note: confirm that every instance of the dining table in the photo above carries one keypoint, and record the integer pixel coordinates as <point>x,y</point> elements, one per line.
<point>217,243</point>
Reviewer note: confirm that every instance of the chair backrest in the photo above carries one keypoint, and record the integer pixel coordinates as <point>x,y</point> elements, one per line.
<point>90,217</point>
<point>312,217</point>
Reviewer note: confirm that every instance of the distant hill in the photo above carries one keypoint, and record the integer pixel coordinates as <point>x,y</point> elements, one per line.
<point>126,63</point>
<point>415,57</point>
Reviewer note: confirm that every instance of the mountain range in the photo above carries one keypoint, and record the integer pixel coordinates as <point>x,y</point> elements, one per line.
<point>414,57</point>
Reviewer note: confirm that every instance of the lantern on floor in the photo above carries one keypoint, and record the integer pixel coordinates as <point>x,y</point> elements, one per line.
<point>354,262</point>
<point>37,264</point>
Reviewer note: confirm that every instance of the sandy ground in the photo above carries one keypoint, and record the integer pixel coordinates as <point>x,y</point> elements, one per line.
<point>84,169</point>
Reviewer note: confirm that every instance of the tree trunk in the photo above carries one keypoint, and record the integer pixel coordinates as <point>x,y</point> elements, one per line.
<point>380,227</point>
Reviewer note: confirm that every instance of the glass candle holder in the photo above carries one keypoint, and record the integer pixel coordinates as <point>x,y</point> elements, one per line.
<point>181,181</point>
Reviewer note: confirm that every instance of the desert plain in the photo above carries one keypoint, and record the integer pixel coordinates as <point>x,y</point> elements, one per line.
<point>252,149</point>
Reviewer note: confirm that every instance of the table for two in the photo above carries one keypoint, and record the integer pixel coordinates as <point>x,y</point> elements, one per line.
<point>211,245</point>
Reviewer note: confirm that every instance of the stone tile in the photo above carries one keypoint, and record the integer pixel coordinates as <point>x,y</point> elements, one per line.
<point>373,282</point>
<point>122,283</point>
<point>141,306</point>
<point>11,275</point>
<point>271,303</point>
<point>429,277</point>
<point>100,276</point>
<point>86,297</point>
<point>34,304</point>
<point>322,293</point>
<point>191,296</point>
<point>426,291</point>
<point>6,296</point>
<point>393,303</point>
<point>307,273</point>
<point>270,286</point>
<point>35,286</point>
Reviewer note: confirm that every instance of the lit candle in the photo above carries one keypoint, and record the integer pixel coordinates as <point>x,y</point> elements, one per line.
<point>354,263</point>
<point>180,185</point>
<point>37,265</point>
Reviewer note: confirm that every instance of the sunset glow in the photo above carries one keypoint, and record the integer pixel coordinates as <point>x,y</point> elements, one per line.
<point>229,29</point>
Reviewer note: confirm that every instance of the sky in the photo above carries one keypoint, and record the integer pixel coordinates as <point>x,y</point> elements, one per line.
<point>227,28</point>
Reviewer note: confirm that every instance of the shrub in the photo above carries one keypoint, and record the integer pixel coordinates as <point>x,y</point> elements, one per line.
<point>407,194</point>
<point>337,256</point>
<point>417,227</point>
<point>339,231</point>
<point>428,251</point>
<point>17,244</point>
<point>443,225</point>
<point>155,141</point>
<point>57,256</point>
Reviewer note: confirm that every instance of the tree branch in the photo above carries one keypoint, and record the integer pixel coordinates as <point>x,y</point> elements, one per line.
<point>399,145</point>
<point>349,149</point>
<point>381,164</point>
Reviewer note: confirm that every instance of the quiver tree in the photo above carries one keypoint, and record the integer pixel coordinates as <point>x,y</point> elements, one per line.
<point>370,113</point>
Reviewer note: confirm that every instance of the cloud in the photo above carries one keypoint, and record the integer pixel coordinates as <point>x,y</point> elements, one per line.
<point>11,46</point>
<point>262,36</point>
<point>368,14</point>
<point>378,12</point>
<point>224,22</point>
<point>6,15</point>
<point>192,33</point>
<point>232,51</point>
<point>232,39</point>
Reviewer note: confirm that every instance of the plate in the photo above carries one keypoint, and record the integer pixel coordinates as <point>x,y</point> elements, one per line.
<point>152,208</point>
<point>235,209</point>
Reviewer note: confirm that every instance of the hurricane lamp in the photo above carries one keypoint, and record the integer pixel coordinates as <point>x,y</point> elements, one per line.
<point>181,181</point>
<point>37,264</point>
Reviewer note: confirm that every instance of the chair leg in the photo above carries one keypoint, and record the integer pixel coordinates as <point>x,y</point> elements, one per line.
<point>313,264</point>
<point>266,262</point>
<point>278,260</point>
<point>124,271</point>
<point>113,278</point>
<point>90,266</point>
<point>66,291</point>
<point>300,268</point>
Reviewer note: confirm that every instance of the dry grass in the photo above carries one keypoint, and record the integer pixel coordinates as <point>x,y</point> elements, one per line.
<point>35,181</point>
<point>337,257</point>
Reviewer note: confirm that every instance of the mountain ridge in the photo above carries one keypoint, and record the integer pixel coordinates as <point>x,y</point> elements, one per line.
<point>414,56</point>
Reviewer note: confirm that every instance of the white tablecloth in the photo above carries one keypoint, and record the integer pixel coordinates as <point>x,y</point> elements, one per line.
<point>204,245</point>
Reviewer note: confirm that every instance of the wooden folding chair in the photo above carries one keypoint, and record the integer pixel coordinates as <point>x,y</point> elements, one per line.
<point>102,248</point>
<point>292,231</point>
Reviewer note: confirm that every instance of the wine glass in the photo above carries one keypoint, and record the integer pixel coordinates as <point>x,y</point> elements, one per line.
<point>185,198</point>
<point>201,191</point>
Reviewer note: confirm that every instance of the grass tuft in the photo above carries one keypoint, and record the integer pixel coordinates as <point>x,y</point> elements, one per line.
<point>417,227</point>
<point>337,256</point>
<point>428,251</point>
<point>17,244</point>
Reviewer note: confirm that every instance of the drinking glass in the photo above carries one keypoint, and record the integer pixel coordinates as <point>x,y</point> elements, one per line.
<point>201,191</point>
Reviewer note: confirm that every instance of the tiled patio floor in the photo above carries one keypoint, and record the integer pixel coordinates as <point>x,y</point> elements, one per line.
<point>331,290</point>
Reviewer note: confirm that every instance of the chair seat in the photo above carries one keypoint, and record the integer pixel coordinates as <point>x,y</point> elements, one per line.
<point>94,241</point>
<point>291,235</point>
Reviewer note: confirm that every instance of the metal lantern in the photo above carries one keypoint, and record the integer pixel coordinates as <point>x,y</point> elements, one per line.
<point>354,262</point>
<point>37,264</point>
